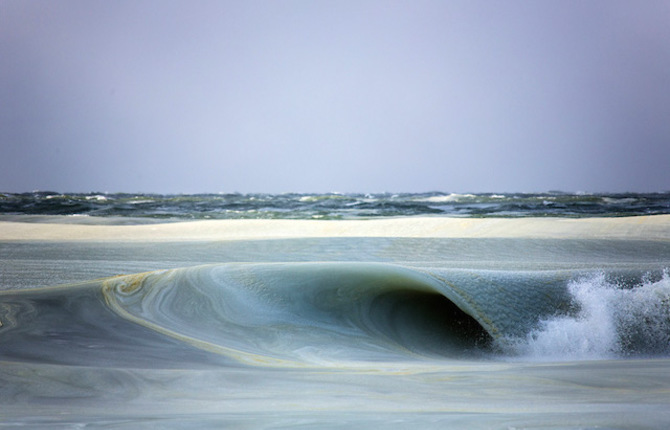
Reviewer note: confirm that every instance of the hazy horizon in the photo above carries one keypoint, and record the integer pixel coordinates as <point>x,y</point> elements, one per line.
<point>389,192</point>
<point>176,97</point>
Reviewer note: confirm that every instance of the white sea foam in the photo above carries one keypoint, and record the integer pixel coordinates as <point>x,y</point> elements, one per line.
<point>97,197</point>
<point>618,201</point>
<point>446,199</point>
<point>611,321</point>
<point>320,197</point>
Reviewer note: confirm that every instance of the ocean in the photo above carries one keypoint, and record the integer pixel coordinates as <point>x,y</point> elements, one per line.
<point>333,205</point>
<point>335,311</point>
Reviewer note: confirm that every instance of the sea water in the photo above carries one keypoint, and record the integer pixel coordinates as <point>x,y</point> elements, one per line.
<point>332,205</point>
<point>511,332</point>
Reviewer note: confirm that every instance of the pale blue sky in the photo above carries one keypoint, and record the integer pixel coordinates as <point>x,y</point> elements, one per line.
<point>316,96</point>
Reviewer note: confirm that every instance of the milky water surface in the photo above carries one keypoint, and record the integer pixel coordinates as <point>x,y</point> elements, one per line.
<point>336,333</point>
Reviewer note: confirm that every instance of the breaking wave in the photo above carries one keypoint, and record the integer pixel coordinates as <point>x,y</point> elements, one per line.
<point>337,314</point>
<point>611,319</point>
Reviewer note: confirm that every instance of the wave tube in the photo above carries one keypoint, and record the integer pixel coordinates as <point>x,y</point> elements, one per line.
<point>323,314</point>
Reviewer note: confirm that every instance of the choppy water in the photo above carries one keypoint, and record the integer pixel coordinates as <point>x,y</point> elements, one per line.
<point>333,205</point>
<point>333,332</point>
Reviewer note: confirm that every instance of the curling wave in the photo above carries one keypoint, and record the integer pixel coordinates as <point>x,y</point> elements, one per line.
<point>318,314</point>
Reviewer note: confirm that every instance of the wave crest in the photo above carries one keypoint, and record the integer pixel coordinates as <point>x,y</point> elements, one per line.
<point>612,318</point>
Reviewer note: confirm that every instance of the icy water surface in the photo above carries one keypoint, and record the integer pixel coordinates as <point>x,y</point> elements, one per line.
<point>334,332</point>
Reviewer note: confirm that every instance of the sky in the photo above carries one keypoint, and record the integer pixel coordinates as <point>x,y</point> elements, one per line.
<point>349,96</point>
